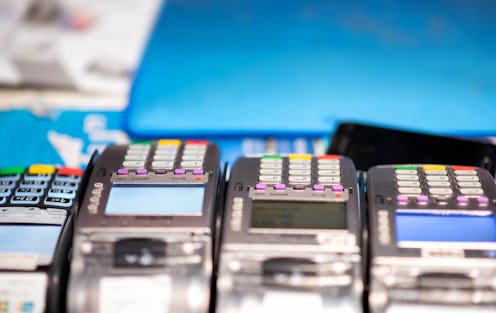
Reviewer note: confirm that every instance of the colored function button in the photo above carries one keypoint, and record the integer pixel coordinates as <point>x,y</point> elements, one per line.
<point>141,171</point>
<point>122,171</point>
<point>299,187</point>
<point>272,156</point>
<point>462,168</point>
<point>15,170</point>
<point>260,187</point>
<point>328,157</point>
<point>41,169</point>
<point>461,199</point>
<point>198,171</point>
<point>405,167</point>
<point>422,199</point>
<point>318,187</point>
<point>169,142</point>
<point>179,171</point>
<point>70,171</point>
<point>402,199</point>
<point>196,142</point>
<point>279,187</point>
<point>306,157</point>
<point>483,200</point>
<point>337,188</point>
<point>434,168</point>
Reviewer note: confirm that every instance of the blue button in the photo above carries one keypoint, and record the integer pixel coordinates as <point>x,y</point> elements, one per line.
<point>33,184</point>
<point>37,177</point>
<point>62,193</point>
<point>24,200</point>
<point>4,192</point>
<point>15,177</point>
<point>64,185</point>
<point>29,192</point>
<point>68,178</point>
<point>58,201</point>
<point>7,183</point>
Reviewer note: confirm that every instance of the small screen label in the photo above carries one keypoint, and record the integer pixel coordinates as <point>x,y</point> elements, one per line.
<point>417,228</point>
<point>155,200</point>
<point>298,215</point>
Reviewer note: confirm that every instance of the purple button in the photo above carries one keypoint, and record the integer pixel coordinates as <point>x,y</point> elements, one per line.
<point>198,171</point>
<point>483,200</point>
<point>318,187</point>
<point>299,187</point>
<point>260,187</point>
<point>179,171</point>
<point>337,188</point>
<point>279,187</point>
<point>402,198</point>
<point>422,198</point>
<point>122,171</point>
<point>141,171</point>
<point>462,199</point>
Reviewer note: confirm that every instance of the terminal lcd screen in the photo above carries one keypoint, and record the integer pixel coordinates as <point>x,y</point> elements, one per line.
<point>155,200</point>
<point>298,215</point>
<point>30,239</point>
<point>414,228</point>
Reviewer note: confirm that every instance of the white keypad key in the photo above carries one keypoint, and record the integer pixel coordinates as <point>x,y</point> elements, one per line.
<point>329,167</point>
<point>300,172</point>
<point>167,165</point>
<point>270,165</point>
<point>164,157</point>
<point>191,164</point>
<point>135,157</point>
<point>329,173</point>
<point>467,178</point>
<point>300,161</point>
<point>270,161</point>
<point>409,191</point>
<point>329,179</point>
<point>133,164</point>
<point>405,172</point>
<point>436,172</point>
<point>437,178</point>
<point>162,152</point>
<point>300,166</point>
<point>269,179</point>
<point>194,151</point>
<point>469,184</point>
<point>271,171</point>
<point>300,179</point>
<point>439,184</point>
<point>465,173</point>
<point>328,161</point>
<point>471,191</point>
<point>193,157</point>
<point>408,183</point>
<point>407,177</point>
<point>441,191</point>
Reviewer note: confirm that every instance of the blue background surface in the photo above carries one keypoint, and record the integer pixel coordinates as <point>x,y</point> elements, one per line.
<point>237,67</point>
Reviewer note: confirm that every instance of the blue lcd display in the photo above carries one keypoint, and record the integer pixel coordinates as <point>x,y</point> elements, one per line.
<point>155,200</point>
<point>415,227</point>
<point>39,239</point>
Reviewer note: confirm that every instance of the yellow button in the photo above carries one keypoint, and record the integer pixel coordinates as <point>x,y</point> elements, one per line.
<point>41,169</point>
<point>300,156</point>
<point>169,142</point>
<point>434,168</point>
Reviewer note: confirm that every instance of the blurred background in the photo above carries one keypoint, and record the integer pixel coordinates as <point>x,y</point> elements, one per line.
<point>254,76</point>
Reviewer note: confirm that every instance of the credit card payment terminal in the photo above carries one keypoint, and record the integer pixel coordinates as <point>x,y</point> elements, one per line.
<point>143,241</point>
<point>291,236</point>
<point>433,239</point>
<point>37,204</point>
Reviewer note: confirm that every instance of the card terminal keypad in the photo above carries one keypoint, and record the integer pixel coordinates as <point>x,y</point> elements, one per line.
<point>39,185</point>
<point>299,171</point>
<point>438,184</point>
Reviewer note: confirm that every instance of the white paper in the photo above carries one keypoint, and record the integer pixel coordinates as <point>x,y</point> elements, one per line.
<point>23,292</point>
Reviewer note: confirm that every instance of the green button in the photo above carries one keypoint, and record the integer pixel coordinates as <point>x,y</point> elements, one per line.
<point>405,167</point>
<point>12,170</point>
<point>141,142</point>
<point>272,156</point>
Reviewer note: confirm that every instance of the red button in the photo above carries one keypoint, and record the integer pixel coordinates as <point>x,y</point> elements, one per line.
<point>70,171</point>
<point>462,168</point>
<point>197,142</point>
<point>328,157</point>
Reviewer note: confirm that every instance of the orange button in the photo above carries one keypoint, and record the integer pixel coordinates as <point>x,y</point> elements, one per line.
<point>462,168</point>
<point>328,157</point>
<point>70,171</point>
<point>197,142</point>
